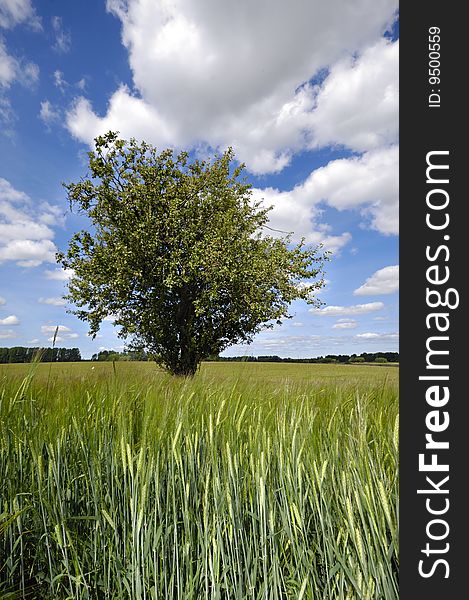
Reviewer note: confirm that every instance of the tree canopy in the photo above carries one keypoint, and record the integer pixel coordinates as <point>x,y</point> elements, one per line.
<point>179,254</point>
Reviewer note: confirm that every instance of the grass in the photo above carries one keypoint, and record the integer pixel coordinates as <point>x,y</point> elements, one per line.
<point>249,481</point>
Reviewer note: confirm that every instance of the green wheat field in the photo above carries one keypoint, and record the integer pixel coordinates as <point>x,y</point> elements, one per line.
<point>251,480</point>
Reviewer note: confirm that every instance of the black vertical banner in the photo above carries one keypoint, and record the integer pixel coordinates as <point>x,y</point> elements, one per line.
<point>434,329</point>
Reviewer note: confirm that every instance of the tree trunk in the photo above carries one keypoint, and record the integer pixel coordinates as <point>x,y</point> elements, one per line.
<point>188,359</point>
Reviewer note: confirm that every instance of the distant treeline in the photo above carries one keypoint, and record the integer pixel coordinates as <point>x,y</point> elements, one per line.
<point>378,357</point>
<point>109,355</point>
<point>19,354</point>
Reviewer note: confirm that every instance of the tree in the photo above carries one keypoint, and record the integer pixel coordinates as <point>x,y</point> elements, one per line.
<point>356,359</point>
<point>177,253</point>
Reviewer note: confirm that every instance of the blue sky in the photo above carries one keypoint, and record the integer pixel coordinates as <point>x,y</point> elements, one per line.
<point>308,98</point>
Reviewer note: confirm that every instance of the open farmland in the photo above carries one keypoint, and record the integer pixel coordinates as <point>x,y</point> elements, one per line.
<point>248,481</point>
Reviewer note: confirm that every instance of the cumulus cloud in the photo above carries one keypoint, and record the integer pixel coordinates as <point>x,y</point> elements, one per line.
<point>297,212</point>
<point>11,320</point>
<point>13,69</point>
<point>312,345</point>
<point>64,337</point>
<point>46,329</point>
<point>357,309</point>
<point>383,281</point>
<point>243,75</point>
<point>8,334</point>
<point>53,301</point>
<point>28,253</point>
<point>367,184</point>
<point>59,274</point>
<point>377,336</point>
<point>26,232</point>
<point>9,194</point>
<point>357,105</point>
<point>63,333</point>
<point>345,324</point>
<point>14,12</point>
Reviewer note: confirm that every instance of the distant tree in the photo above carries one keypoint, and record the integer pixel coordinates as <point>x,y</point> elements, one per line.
<point>356,359</point>
<point>381,359</point>
<point>17,354</point>
<point>4,355</point>
<point>75,355</point>
<point>177,253</point>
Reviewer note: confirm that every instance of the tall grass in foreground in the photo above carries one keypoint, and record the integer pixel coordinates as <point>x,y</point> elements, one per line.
<point>198,489</point>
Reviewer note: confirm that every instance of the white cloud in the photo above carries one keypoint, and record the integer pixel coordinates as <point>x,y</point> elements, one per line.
<point>295,212</point>
<point>357,309</point>
<point>63,39</point>
<point>377,336</point>
<point>46,329</point>
<point>58,338</point>
<point>8,334</point>
<point>345,324</point>
<point>28,253</point>
<point>53,301</point>
<point>14,12</point>
<point>6,114</point>
<point>63,333</point>
<point>13,69</point>
<point>51,214</point>
<point>59,80</point>
<point>48,114</point>
<point>2,300</point>
<point>240,74</point>
<point>64,337</point>
<point>383,281</point>
<point>34,341</point>
<point>9,194</point>
<point>7,66</point>
<point>59,274</point>
<point>25,229</point>
<point>269,343</point>
<point>368,184</point>
<point>11,320</point>
<point>357,105</point>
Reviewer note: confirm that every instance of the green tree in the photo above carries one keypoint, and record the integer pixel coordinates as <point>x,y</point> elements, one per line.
<point>356,359</point>
<point>381,359</point>
<point>177,252</point>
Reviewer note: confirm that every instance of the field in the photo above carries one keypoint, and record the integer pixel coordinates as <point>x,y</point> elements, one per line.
<point>249,481</point>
